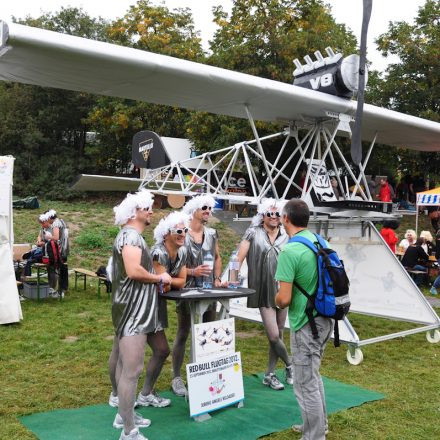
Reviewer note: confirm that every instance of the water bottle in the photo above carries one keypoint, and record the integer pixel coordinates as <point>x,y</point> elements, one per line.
<point>234,271</point>
<point>208,260</point>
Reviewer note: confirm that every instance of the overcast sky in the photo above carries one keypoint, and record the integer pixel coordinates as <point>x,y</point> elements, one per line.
<point>344,11</point>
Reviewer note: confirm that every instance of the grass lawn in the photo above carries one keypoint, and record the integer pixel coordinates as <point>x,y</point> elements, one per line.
<point>57,357</point>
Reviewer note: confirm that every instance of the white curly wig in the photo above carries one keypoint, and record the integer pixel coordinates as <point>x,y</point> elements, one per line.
<point>126,210</point>
<point>264,206</point>
<point>197,202</point>
<point>51,214</point>
<point>427,236</point>
<point>169,222</point>
<point>42,218</point>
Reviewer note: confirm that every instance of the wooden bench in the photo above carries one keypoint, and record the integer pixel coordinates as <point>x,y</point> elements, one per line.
<point>413,273</point>
<point>84,273</point>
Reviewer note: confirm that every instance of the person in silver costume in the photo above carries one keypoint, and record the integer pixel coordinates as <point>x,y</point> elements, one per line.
<point>169,256</point>
<point>261,244</point>
<point>134,309</point>
<point>199,240</point>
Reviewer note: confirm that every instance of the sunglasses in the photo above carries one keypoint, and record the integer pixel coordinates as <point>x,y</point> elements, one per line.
<point>179,231</point>
<point>273,214</point>
<point>204,208</point>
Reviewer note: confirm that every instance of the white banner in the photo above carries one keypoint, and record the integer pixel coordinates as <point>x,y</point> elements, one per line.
<point>214,384</point>
<point>215,338</point>
<point>321,184</point>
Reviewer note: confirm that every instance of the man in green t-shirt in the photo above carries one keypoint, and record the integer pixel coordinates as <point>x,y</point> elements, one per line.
<point>297,262</point>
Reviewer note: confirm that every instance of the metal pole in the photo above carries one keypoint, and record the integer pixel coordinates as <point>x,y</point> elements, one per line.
<point>260,148</point>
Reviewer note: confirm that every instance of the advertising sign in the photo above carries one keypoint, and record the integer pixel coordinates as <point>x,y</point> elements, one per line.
<point>214,338</point>
<point>321,184</point>
<point>214,383</point>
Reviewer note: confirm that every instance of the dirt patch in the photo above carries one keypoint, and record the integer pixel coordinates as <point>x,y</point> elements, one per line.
<point>84,314</point>
<point>109,338</point>
<point>70,339</point>
<point>73,227</point>
<point>248,334</point>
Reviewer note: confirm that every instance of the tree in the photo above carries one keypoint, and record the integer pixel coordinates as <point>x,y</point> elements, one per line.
<point>43,127</point>
<point>155,29</point>
<point>412,85</point>
<point>262,38</point>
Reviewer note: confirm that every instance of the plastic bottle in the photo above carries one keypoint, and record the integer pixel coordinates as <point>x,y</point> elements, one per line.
<point>208,260</point>
<point>234,271</point>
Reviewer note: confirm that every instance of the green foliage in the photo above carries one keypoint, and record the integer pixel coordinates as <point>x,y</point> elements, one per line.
<point>411,85</point>
<point>262,38</point>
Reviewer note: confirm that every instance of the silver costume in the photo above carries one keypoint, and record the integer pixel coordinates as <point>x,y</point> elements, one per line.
<point>160,254</point>
<point>196,252</point>
<point>262,260</point>
<point>134,304</point>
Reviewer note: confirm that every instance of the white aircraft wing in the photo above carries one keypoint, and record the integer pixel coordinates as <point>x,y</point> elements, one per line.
<point>35,56</point>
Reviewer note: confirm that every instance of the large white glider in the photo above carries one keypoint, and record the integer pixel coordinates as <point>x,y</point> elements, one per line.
<point>35,56</point>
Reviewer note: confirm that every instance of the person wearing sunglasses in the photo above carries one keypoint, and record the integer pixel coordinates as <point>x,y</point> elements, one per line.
<point>134,310</point>
<point>199,240</point>
<point>261,245</point>
<point>169,256</point>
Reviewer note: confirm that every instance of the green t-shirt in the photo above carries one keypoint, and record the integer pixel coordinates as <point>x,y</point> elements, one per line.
<point>297,262</point>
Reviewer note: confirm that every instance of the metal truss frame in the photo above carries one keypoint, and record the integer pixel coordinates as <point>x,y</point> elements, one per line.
<point>312,141</point>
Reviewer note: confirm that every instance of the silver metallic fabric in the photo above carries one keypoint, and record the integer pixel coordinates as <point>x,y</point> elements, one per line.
<point>262,260</point>
<point>134,304</point>
<point>196,251</point>
<point>160,254</point>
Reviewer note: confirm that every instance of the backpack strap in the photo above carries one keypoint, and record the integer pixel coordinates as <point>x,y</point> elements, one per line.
<point>310,307</point>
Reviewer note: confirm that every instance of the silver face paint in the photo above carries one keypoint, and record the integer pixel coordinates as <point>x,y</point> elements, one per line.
<point>134,304</point>
<point>160,254</point>
<point>262,260</point>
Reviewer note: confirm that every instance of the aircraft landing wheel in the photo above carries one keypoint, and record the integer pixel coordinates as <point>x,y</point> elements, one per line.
<point>433,336</point>
<point>355,357</point>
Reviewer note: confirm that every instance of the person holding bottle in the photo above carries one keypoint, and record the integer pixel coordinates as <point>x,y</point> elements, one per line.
<point>203,269</point>
<point>261,245</point>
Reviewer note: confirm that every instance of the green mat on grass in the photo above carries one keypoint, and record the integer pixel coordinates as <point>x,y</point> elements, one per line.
<point>265,411</point>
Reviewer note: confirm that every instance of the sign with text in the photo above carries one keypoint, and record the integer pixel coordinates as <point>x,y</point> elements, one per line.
<point>215,338</point>
<point>214,383</point>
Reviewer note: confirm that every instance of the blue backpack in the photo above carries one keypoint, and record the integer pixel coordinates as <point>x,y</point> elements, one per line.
<point>330,298</point>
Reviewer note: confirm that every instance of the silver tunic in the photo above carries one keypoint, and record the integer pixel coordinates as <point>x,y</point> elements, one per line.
<point>196,251</point>
<point>262,260</point>
<point>160,254</point>
<point>134,304</point>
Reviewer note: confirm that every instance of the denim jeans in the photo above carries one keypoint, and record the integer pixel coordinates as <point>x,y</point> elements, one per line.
<point>418,279</point>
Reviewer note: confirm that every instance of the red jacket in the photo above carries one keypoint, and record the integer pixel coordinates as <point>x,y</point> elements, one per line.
<point>385,193</point>
<point>390,238</point>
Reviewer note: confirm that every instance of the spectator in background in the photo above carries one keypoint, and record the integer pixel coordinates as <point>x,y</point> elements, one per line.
<point>410,238</point>
<point>434,216</point>
<point>428,246</point>
<point>415,258</point>
<point>335,187</point>
<point>388,233</point>
<point>372,185</point>
<point>384,193</point>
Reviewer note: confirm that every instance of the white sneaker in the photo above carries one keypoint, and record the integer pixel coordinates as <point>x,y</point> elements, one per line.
<point>289,375</point>
<point>299,428</point>
<point>113,400</point>
<point>134,435</point>
<point>271,380</point>
<point>153,399</point>
<point>178,387</point>
<point>139,422</point>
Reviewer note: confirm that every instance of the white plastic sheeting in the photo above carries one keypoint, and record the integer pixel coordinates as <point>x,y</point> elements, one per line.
<point>10,309</point>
